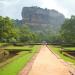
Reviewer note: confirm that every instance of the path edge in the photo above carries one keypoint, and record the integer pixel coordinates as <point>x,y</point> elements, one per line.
<point>71,69</point>
<point>26,69</point>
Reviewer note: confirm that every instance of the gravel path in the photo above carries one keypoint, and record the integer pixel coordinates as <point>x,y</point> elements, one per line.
<point>46,63</point>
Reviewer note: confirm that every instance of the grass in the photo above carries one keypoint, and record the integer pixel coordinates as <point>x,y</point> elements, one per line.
<point>56,49</point>
<point>70,48</point>
<point>18,63</point>
<point>18,47</point>
<point>1,44</point>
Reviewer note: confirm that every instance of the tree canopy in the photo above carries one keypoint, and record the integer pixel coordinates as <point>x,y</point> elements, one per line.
<point>68,30</point>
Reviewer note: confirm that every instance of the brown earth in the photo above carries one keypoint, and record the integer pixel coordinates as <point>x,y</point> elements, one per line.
<point>46,63</point>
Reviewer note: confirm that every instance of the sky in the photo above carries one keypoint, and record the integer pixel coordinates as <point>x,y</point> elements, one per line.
<point>13,8</point>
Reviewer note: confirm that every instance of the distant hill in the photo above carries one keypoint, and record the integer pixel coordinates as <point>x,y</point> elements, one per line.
<point>41,19</point>
<point>41,16</point>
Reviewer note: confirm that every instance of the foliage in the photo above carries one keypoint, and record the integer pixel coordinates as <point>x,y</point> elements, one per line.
<point>68,30</point>
<point>6,29</point>
<point>12,32</point>
<point>25,34</point>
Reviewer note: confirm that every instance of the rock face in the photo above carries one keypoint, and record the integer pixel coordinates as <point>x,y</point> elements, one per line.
<point>42,20</point>
<point>36,16</point>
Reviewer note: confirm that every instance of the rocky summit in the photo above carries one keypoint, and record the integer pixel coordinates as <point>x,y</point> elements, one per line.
<point>41,16</point>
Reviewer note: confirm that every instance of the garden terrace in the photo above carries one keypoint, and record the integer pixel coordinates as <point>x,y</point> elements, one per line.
<point>61,53</point>
<point>68,52</point>
<point>21,56</point>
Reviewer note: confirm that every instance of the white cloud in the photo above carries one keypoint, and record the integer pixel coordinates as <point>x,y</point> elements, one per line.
<point>13,8</point>
<point>67,7</point>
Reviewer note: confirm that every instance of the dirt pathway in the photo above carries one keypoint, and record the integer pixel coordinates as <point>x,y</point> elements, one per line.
<point>46,63</point>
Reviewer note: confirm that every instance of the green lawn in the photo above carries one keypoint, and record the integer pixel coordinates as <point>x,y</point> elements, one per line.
<point>18,62</point>
<point>56,49</point>
<point>11,47</point>
<point>1,44</point>
<point>70,48</point>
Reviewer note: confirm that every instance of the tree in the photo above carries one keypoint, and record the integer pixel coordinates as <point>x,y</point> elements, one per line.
<point>68,30</point>
<point>6,29</point>
<point>1,27</point>
<point>25,34</point>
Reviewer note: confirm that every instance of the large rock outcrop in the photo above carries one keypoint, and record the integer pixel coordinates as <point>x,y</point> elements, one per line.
<point>41,16</point>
